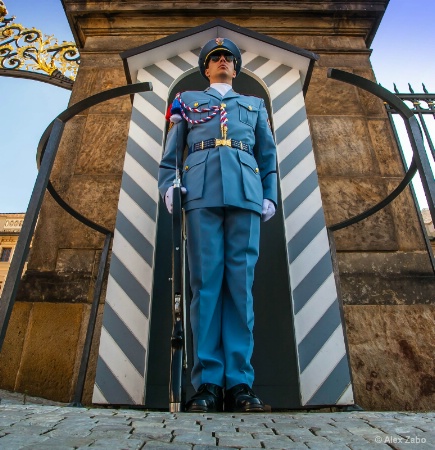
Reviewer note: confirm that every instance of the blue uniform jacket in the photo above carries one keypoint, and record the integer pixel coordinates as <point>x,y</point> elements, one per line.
<point>222,176</point>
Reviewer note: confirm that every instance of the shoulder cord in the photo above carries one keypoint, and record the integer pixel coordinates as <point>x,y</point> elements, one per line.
<point>213,111</point>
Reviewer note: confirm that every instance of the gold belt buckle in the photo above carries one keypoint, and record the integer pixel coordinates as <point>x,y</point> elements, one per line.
<point>222,142</point>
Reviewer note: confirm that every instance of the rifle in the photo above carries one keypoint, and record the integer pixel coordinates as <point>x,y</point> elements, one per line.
<point>178,353</point>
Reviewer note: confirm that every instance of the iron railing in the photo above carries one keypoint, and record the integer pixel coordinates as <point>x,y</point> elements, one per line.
<point>47,150</point>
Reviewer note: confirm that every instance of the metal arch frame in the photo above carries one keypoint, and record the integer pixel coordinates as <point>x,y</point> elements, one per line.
<point>47,150</point>
<point>420,160</point>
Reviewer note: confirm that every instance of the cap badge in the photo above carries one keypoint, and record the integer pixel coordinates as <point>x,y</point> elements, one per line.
<point>219,41</point>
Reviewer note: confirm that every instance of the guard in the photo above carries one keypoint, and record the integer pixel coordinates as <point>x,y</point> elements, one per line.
<point>229,183</point>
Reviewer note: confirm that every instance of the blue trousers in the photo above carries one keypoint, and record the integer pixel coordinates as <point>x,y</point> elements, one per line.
<point>222,247</point>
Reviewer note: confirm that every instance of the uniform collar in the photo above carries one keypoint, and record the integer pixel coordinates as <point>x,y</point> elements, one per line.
<point>231,93</point>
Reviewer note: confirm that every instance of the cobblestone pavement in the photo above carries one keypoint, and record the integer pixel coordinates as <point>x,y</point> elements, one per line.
<point>40,424</point>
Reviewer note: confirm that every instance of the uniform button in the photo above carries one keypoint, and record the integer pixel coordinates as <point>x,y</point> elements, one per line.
<point>186,167</point>
<point>250,108</point>
<point>223,105</point>
<point>195,104</point>
<point>256,170</point>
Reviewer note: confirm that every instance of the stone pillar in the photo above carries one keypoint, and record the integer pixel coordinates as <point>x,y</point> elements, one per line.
<point>386,278</point>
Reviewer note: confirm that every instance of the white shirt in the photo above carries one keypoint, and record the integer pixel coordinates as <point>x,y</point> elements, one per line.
<point>222,88</point>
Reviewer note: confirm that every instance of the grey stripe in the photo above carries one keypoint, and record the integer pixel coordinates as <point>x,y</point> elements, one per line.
<point>111,388</point>
<point>256,63</point>
<point>318,335</point>
<point>160,75</point>
<point>295,157</point>
<point>180,63</point>
<point>145,202</point>
<point>124,338</point>
<point>135,238</point>
<point>143,158</point>
<point>146,125</point>
<point>276,74</point>
<point>154,99</point>
<point>292,123</point>
<point>303,237</point>
<point>134,290</point>
<point>312,281</point>
<point>287,95</point>
<point>197,51</point>
<point>334,386</point>
<point>300,193</point>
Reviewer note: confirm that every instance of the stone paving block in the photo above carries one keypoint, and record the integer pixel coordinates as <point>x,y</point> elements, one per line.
<point>60,443</point>
<point>367,446</point>
<point>118,444</point>
<point>27,429</point>
<point>109,434</point>
<point>215,428</point>
<point>17,441</point>
<point>275,441</point>
<point>145,422</point>
<point>164,446</point>
<point>67,432</point>
<point>153,436</point>
<point>329,446</point>
<point>180,429</point>
<point>195,439</point>
<point>241,441</point>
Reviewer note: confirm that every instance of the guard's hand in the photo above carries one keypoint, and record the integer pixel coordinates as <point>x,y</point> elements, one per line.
<point>170,195</point>
<point>268,210</point>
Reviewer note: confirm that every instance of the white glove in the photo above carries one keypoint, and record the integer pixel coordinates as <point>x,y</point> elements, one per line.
<point>170,195</point>
<point>268,210</point>
<point>175,118</point>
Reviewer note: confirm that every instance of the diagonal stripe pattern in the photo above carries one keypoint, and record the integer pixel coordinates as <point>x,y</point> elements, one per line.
<point>122,361</point>
<point>320,343</point>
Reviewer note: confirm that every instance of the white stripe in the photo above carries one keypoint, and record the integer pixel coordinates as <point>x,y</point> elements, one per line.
<point>321,366</point>
<point>158,87</point>
<point>170,68</point>
<point>266,69</point>
<point>98,397</point>
<point>127,311</point>
<point>297,175</point>
<point>291,108</point>
<point>133,262</point>
<point>142,177</point>
<point>247,57</point>
<point>293,140</point>
<point>315,308</point>
<point>146,142</point>
<point>309,258</point>
<point>302,214</point>
<point>190,58</point>
<point>137,216</point>
<point>347,397</point>
<point>149,111</point>
<point>121,367</point>
<point>280,85</point>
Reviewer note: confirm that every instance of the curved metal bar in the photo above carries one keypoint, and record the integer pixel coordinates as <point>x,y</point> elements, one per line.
<point>68,114</point>
<point>88,102</point>
<point>61,202</point>
<point>406,114</point>
<point>398,190</point>
<point>64,82</point>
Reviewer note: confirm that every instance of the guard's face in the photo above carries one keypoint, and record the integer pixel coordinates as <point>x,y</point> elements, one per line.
<point>221,68</point>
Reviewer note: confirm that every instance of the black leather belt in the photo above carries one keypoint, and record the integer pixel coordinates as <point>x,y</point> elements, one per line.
<point>212,143</point>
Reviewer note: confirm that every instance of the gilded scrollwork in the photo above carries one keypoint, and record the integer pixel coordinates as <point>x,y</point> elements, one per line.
<point>29,49</point>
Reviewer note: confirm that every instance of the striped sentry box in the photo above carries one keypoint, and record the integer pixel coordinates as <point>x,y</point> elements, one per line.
<point>323,366</point>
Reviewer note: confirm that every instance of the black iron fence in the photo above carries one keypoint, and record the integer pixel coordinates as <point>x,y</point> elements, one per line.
<point>423,106</point>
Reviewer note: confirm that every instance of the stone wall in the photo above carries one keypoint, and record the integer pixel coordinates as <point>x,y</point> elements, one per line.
<point>386,278</point>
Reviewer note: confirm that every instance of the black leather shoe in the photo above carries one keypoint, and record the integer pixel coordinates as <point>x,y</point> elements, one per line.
<point>241,398</point>
<point>209,398</point>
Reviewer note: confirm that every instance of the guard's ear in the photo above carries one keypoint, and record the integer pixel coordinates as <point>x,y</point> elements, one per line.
<point>234,74</point>
<point>207,73</point>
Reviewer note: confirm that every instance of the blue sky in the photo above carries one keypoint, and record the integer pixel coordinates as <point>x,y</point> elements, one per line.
<point>402,52</point>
